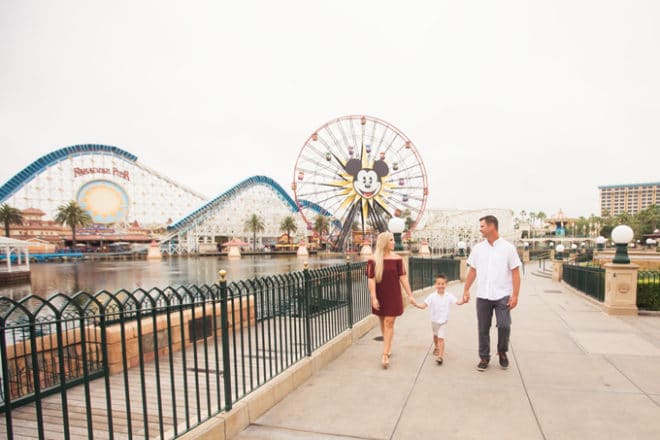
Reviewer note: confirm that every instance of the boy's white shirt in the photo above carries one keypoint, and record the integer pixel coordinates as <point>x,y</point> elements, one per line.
<point>439,306</point>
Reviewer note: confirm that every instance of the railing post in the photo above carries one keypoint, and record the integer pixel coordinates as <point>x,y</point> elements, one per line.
<point>308,318</point>
<point>349,291</point>
<point>224,320</point>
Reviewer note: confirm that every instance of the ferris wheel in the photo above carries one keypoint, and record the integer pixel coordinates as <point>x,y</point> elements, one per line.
<point>362,171</point>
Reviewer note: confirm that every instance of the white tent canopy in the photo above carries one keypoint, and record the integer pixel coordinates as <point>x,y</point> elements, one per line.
<point>8,246</point>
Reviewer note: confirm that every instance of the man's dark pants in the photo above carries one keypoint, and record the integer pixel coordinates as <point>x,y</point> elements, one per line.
<point>485,308</point>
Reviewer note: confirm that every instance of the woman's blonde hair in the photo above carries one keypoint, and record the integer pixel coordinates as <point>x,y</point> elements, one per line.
<point>382,249</point>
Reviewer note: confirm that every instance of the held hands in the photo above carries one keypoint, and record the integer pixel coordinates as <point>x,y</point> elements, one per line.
<point>466,297</point>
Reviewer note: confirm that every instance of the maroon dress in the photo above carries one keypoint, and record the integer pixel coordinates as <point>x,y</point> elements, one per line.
<point>388,291</point>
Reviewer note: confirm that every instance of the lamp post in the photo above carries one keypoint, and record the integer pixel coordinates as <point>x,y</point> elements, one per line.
<point>621,236</point>
<point>461,248</point>
<point>600,243</point>
<point>396,225</point>
<point>559,254</point>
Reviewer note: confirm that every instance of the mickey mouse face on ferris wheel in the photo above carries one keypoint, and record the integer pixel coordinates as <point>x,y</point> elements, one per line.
<point>367,182</point>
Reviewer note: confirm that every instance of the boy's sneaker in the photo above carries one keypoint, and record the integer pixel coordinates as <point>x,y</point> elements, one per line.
<point>438,360</point>
<point>504,361</point>
<point>483,365</point>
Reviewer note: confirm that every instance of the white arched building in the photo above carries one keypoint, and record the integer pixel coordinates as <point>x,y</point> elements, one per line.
<point>444,228</point>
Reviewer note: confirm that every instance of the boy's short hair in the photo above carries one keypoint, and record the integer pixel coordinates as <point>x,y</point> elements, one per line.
<point>441,275</point>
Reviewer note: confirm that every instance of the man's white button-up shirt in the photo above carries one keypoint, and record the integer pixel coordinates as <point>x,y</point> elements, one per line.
<point>494,264</point>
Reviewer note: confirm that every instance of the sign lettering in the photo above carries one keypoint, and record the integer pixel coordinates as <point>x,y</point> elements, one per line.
<point>77,172</point>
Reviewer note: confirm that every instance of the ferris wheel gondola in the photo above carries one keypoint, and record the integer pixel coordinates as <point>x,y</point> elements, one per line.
<point>364,171</point>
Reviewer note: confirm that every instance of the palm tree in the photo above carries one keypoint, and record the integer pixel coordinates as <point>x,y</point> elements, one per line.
<point>532,222</point>
<point>254,224</point>
<point>321,226</point>
<point>289,225</point>
<point>10,216</point>
<point>72,215</point>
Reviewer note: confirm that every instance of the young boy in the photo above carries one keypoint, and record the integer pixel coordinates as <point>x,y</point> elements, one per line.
<point>439,303</point>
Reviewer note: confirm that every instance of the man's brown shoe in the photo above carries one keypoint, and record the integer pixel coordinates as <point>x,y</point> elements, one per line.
<point>504,361</point>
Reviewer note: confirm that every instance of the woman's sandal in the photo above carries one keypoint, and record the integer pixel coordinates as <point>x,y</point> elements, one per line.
<point>385,360</point>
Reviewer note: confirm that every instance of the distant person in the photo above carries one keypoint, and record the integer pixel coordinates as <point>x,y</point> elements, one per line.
<point>386,275</point>
<point>495,264</point>
<point>439,303</point>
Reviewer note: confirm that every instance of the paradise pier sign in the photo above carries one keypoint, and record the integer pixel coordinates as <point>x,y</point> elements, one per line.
<point>78,172</point>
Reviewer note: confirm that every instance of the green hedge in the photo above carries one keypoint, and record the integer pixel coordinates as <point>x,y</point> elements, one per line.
<point>648,292</point>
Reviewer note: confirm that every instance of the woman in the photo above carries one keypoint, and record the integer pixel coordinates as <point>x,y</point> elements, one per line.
<point>386,275</point>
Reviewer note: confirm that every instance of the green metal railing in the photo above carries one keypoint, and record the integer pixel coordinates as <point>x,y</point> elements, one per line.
<point>648,290</point>
<point>160,362</point>
<point>422,271</point>
<point>590,280</point>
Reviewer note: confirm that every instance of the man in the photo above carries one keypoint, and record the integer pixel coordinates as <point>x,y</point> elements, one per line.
<point>495,264</point>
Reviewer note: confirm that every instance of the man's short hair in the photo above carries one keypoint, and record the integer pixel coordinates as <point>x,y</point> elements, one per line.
<point>441,275</point>
<point>490,220</point>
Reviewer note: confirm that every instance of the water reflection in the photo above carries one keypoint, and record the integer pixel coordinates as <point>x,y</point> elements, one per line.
<point>92,276</point>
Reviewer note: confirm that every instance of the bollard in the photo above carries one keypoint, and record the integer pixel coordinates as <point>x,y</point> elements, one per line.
<point>308,318</point>
<point>224,319</point>
<point>349,291</point>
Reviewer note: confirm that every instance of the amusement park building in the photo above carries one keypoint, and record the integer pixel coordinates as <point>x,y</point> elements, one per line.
<point>118,191</point>
<point>109,183</point>
<point>444,228</point>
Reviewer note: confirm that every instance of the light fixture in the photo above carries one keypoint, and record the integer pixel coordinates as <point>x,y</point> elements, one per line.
<point>600,243</point>
<point>559,252</point>
<point>396,225</point>
<point>461,245</point>
<point>621,236</point>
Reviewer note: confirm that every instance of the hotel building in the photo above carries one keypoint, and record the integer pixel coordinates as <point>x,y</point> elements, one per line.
<point>630,198</point>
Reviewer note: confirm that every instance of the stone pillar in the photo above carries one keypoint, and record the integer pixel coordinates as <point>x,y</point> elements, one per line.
<point>366,249</point>
<point>557,270</point>
<point>302,250</point>
<point>621,289</point>
<point>463,268</point>
<point>153,253</point>
<point>234,252</point>
<point>525,255</point>
<point>552,254</point>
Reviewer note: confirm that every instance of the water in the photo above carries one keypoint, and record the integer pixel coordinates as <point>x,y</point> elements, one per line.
<point>92,276</point>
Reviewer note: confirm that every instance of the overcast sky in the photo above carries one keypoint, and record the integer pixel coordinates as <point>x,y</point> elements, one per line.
<point>511,104</point>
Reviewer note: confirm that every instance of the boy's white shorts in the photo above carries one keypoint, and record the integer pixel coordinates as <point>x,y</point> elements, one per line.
<point>439,329</point>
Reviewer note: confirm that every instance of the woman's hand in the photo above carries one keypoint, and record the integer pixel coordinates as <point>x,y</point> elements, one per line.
<point>374,303</point>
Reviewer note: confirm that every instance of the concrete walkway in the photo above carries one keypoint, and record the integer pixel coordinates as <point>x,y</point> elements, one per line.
<point>575,373</point>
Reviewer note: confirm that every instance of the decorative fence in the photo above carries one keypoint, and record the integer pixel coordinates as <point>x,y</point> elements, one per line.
<point>590,280</point>
<point>155,364</point>
<point>648,290</point>
<point>422,271</point>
